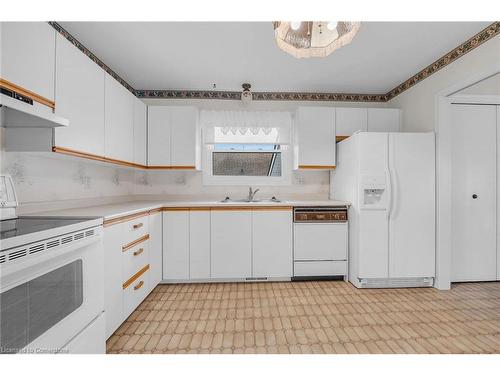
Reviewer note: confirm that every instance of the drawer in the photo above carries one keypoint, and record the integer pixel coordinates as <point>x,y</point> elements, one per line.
<point>324,268</point>
<point>135,291</point>
<point>135,228</point>
<point>134,258</point>
<point>320,241</point>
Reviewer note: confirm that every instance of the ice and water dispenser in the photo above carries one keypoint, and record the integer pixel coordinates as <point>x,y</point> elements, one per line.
<point>373,193</point>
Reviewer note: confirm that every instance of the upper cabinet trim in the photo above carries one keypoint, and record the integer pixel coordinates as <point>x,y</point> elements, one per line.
<point>484,35</point>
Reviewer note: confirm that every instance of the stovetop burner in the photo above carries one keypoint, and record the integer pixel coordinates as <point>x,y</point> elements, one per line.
<point>30,224</point>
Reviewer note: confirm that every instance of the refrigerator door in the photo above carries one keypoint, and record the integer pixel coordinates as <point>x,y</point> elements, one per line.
<point>374,203</point>
<point>412,215</point>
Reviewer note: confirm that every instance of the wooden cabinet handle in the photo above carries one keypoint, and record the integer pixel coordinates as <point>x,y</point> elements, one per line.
<point>139,286</point>
<point>138,252</point>
<point>137,226</point>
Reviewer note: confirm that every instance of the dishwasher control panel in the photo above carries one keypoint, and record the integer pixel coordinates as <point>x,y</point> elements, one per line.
<point>319,214</point>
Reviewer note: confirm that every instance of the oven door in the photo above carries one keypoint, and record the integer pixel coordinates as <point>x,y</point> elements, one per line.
<point>47,299</point>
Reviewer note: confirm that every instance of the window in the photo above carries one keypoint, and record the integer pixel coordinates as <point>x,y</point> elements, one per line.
<point>246,148</point>
<point>246,160</point>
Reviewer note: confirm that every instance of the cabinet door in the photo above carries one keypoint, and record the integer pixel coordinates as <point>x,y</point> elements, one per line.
<point>350,120</point>
<point>272,243</point>
<point>113,290</point>
<point>119,121</point>
<point>199,244</point>
<point>140,130</point>
<point>155,249</point>
<point>183,122</point>
<point>159,136</point>
<point>28,56</point>
<point>316,137</point>
<point>80,99</point>
<point>231,244</point>
<point>176,245</point>
<point>383,119</point>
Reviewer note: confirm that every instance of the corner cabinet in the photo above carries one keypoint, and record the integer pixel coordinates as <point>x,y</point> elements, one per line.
<point>80,99</point>
<point>315,138</point>
<point>173,137</point>
<point>140,132</point>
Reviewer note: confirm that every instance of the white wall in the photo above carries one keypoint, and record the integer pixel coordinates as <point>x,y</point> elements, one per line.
<point>418,103</point>
<point>488,86</point>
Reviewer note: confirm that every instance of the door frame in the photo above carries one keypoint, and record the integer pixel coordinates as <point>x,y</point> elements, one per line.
<point>443,102</point>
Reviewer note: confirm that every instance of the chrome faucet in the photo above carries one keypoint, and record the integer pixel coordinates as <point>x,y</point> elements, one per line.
<point>251,194</point>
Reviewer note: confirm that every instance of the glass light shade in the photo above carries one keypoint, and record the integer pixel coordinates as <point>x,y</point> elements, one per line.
<point>314,38</point>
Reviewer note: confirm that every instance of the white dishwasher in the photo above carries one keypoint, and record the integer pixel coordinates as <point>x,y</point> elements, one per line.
<point>320,242</point>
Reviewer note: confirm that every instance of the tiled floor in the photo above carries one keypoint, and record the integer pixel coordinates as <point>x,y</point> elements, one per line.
<point>312,317</point>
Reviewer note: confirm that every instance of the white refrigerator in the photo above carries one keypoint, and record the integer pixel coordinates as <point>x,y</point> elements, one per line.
<point>390,180</point>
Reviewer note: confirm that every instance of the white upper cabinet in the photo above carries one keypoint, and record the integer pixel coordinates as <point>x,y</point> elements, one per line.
<point>315,137</point>
<point>28,56</point>
<point>172,136</point>
<point>384,119</point>
<point>159,136</point>
<point>183,121</point>
<point>140,131</point>
<point>272,243</point>
<point>350,120</point>
<point>119,121</point>
<point>80,99</point>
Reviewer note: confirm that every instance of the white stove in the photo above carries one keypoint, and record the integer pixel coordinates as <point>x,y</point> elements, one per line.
<point>51,281</point>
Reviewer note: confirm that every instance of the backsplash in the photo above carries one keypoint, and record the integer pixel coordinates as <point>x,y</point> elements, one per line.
<point>46,177</point>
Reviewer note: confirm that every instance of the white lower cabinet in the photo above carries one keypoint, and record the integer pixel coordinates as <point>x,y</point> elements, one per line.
<point>132,263</point>
<point>155,249</point>
<point>272,243</point>
<point>113,289</point>
<point>176,245</point>
<point>231,244</point>
<point>199,244</point>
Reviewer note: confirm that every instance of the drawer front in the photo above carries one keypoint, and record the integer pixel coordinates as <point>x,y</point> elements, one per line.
<point>135,228</point>
<point>135,293</point>
<point>324,268</point>
<point>134,258</point>
<point>320,241</point>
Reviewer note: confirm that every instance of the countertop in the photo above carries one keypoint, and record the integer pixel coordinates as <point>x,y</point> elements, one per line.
<point>111,211</point>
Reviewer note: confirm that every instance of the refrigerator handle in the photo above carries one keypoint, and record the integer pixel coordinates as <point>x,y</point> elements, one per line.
<point>389,193</point>
<point>394,191</point>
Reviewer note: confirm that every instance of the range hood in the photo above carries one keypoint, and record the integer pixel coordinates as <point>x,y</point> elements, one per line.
<point>18,111</point>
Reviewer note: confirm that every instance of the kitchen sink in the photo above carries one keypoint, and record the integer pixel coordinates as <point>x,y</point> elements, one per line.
<point>246,200</point>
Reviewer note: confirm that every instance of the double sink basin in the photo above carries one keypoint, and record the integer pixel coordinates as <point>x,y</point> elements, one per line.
<point>246,200</point>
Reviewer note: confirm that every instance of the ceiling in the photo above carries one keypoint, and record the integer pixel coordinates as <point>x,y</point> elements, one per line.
<point>195,55</point>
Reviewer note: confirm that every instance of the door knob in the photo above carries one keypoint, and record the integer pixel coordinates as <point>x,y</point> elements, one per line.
<point>474,196</point>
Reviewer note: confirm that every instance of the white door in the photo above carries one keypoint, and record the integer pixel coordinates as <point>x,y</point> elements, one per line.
<point>176,245</point>
<point>119,121</point>
<point>383,119</point>
<point>155,249</point>
<point>272,243</point>
<point>316,137</point>
<point>140,131</point>
<point>350,120</point>
<point>231,243</point>
<point>474,184</point>
<point>412,215</point>
<point>373,244</point>
<point>183,122</point>
<point>159,136</point>
<point>80,99</point>
<point>199,244</point>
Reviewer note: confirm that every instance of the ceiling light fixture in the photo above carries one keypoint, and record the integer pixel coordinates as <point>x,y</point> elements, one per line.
<point>313,38</point>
